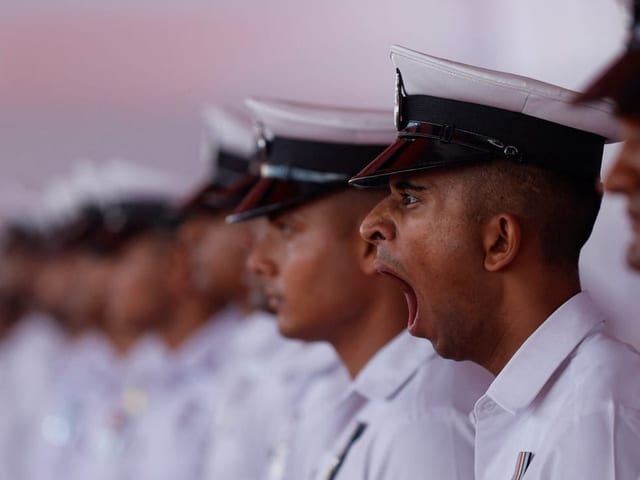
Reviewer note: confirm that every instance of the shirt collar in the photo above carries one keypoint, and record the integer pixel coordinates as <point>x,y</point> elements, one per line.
<point>90,357</point>
<point>259,337</point>
<point>392,367</point>
<point>148,353</point>
<point>211,342</point>
<point>526,373</point>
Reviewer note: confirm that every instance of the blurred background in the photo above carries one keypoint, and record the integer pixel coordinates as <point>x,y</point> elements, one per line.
<point>92,80</point>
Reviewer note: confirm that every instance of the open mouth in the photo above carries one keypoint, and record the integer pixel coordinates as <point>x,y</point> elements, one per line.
<point>409,295</point>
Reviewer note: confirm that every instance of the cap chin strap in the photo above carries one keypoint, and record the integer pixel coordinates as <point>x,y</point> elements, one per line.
<point>450,134</point>
<point>297,174</point>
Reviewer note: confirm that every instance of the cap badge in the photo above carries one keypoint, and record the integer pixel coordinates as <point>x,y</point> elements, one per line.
<point>398,104</point>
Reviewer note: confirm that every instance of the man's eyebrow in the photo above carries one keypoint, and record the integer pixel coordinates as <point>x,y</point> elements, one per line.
<point>406,185</point>
<point>274,216</point>
<point>282,215</point>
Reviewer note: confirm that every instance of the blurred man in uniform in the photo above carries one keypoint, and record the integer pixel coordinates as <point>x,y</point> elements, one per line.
<point>253,360</point>
<point>186,280</point>
<point>70,286</point>
<point>492,195</point>
<point>29,344</point>
<point>404,413</point>
<point>621,83</point>
<point>151,293</point>
<point>99,381</point>
<point>142,294</point>
<point>19,249</point>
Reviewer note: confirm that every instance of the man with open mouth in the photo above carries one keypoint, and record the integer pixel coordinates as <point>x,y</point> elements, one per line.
<point>404,412</point>
<point>491,194</point>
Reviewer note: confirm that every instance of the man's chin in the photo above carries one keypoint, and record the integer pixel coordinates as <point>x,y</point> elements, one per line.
<point>289,329</point>
<point>442,349</point>
<point>429,336</point>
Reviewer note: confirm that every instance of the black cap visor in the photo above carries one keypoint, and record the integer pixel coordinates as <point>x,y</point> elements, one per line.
<point>212,197</point>
<point>407,155</point>
<point>449,133</point>
<point>271,195</point>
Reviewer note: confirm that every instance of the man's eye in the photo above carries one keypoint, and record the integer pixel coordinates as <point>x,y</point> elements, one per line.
<point>285,228</point>
<point>408,199</point>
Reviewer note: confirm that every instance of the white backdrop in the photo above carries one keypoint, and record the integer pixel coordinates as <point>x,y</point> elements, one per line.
<point>128,78</point>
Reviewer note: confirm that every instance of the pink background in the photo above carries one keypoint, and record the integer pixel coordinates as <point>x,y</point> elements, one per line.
<point>125,78</point>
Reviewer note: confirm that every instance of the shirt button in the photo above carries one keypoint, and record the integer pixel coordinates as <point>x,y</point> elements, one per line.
<point>488,407</point>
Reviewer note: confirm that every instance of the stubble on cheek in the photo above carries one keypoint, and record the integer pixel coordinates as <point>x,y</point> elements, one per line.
<point>390,260</point>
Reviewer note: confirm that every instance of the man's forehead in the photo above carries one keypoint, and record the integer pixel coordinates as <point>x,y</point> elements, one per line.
<point>323,213</point>
<point>293,212</point>
<point>148,242</point>
<point>418,180</point>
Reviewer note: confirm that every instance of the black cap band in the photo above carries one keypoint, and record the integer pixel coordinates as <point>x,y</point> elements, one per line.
<point>229,168</point>
<point>316,162</point>
<point>297,171</point>
<point>502,134</point>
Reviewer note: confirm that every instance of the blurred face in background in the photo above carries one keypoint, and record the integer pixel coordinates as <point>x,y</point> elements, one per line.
<point>142,294</point>
<point>11,310</point>
<point>624,178</point>
<point>57,281</point>
<point>89,298</point>
<point>218,253</point>
<point>18,271</point>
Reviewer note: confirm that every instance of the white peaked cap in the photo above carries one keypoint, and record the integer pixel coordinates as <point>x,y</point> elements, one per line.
<point>107,182</point>
<point>16,202</point>
<point>123,179</point>
<point>424,74</point>
<point>307,151</point>
<point>322,123</point>
<point>226,130</point>
<point>451,114</point>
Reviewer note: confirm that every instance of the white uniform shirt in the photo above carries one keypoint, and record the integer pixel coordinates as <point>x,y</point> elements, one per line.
<point>567,404</point>
<point>77,385</point>
<point>169,440</point>
<point>124,384</point>
<point>236,447</point>
<point>81,431</point>
<point>311,377</point>
<point>409,417</point>
<point>26,356</point>
<point>259,403</point>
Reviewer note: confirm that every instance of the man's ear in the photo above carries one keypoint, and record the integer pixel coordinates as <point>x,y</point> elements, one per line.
<point>501,239</point>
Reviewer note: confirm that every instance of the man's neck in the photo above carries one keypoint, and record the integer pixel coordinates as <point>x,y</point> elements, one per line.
<point>188,317</point>
<point>525,308</point>
<point>377,324</point>
<point>122,342</point>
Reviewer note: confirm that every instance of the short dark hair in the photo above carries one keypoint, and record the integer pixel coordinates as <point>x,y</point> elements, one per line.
<point>561,210</point>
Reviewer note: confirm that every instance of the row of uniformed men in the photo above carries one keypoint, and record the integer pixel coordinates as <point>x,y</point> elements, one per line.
<point>477,212</point>
<point>130,332</point>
